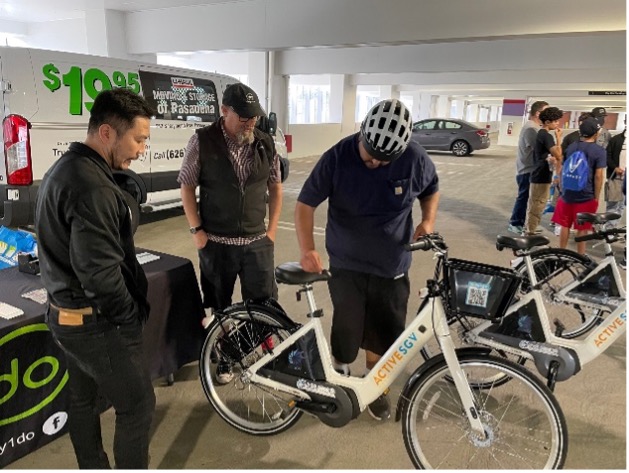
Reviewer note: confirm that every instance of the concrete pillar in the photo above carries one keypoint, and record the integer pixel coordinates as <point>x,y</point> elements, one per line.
<point>348,120</point>
<point>424,105</point>
<point>258,76</point>
<point>442,106</point>
<point>337,96</point>
<point>96,29</point>
<point>107,34</point>
<point>389,92</point>
<point>279,101</point>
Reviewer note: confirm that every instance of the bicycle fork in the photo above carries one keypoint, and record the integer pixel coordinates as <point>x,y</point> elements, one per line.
<point>460,380</point>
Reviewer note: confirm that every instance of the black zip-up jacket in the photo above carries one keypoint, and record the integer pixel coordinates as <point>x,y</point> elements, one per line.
<point>613,153</point>
<point>85,239</point>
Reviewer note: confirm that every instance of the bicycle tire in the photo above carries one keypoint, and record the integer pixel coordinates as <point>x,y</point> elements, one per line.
<point>245,406</point>
<point>524,423</point>
<point>554,269</point>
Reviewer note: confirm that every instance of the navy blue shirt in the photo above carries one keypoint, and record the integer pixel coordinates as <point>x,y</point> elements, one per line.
<point>597,158</point>
<point>369,210</point>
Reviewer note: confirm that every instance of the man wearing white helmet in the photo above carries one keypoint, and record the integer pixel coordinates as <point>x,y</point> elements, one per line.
<point>371,180</point>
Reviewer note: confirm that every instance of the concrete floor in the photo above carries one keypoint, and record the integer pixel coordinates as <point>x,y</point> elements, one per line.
<point>477,196</point>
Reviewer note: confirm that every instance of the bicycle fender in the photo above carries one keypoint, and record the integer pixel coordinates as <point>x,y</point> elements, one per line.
<point>418,373</point>
<point>269,307</point>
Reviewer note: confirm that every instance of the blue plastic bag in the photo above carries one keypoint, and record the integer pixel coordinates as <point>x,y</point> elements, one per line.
<point>13,242</point>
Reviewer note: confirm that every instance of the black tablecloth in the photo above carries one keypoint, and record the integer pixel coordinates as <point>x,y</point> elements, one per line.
<point>33,398</point>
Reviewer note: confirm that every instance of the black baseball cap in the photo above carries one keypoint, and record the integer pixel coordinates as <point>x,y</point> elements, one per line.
<point>589,127</point>
<point>599,112</point>
<point>243,100</point>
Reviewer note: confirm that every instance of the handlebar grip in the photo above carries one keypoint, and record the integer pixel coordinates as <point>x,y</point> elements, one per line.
<point>418,245</point>
<point>590,236</point>
<point>601,235</point>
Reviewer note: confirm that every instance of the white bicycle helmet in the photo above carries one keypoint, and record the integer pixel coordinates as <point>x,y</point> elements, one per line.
<point>386,130</point>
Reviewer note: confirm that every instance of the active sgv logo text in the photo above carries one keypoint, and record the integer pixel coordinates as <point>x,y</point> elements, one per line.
<point>31,375</point>
<point>397,356</point>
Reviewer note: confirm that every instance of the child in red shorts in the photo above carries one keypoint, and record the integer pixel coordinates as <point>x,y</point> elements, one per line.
<point>572,202</point>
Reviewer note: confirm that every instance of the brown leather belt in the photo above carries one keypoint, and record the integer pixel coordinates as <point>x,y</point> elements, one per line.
<point>73,317</point>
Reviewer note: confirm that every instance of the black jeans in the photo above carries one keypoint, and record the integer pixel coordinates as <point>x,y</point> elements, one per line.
<point>221,264</point>
<point>518,216</point>
<point>106,359</point>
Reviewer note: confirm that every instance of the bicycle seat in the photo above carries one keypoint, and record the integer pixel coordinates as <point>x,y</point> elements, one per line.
<point>292,273</point>
<point>520,242</point>
<point>597,219</point>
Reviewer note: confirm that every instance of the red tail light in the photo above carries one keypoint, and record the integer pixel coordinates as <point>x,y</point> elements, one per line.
<point>17,150</point>
<point>481,133</point>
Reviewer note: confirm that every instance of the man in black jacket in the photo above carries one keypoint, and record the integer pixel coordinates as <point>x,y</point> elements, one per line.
<point>96,287</point>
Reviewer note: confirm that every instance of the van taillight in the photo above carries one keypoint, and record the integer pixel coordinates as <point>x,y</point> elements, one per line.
<point>17,150</point>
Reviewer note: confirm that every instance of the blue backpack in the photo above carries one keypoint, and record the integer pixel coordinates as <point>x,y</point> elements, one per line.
<point>575,172</point>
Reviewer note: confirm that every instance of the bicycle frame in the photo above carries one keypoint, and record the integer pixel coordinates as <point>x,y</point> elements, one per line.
<point>391,365</point>
<point>588,348</point>
<point>564,294</point>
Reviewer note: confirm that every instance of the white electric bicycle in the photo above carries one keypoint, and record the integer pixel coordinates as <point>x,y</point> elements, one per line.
<point>526,332</point>
<point>450,420</point>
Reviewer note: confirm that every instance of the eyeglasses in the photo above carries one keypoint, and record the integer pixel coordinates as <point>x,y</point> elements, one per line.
<point>241,119</point>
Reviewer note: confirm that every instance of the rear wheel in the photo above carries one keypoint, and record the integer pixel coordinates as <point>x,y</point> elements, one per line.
<point>523,423</point>
<point>460,148</point>
<point>555,268</point>
<point>238,340</point>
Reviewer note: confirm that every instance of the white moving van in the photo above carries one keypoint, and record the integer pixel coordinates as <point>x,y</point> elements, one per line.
<point>45,103</point>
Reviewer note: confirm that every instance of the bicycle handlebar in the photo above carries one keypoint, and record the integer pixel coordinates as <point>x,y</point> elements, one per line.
<point>432,241</point>
<point>600,235</point>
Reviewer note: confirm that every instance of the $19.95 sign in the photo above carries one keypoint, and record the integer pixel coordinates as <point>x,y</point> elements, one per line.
<point>90,83</point>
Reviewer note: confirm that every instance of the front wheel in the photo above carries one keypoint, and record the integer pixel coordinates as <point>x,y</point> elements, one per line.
<point>524,425</point>
<point>236,341</point>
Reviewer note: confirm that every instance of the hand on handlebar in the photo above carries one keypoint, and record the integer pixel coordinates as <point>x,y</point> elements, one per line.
<point>424,228</point>
<point>311,262</point>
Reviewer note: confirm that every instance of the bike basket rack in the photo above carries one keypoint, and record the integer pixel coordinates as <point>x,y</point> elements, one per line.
<point>478,290</point>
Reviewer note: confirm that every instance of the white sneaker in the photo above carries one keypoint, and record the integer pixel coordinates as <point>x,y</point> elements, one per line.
<point>224,373</point>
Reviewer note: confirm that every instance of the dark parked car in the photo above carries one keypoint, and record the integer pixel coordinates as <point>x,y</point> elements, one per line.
<point>450,134</point>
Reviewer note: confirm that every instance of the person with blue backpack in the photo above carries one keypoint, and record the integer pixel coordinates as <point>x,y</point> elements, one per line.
<point>582,178</point>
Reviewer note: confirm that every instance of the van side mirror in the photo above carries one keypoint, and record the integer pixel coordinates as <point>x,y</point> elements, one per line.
<point>272,123</point>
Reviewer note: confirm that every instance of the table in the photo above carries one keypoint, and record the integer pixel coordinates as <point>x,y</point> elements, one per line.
<point>33,376</point>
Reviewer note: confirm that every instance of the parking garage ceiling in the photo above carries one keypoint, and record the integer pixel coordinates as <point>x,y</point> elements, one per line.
<point>474,48</point>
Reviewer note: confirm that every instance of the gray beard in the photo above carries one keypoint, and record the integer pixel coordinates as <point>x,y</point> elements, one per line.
<point>244,138</point>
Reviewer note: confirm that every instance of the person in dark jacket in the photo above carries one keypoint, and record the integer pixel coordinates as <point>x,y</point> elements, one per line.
<point>575,136</point>
<point>371,180</point>
<point>616,166</point>
<point>234,165</point>
<point>96,287</point>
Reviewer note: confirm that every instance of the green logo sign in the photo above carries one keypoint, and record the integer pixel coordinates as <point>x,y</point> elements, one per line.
<point>92,82</point>
<point>30,374</point>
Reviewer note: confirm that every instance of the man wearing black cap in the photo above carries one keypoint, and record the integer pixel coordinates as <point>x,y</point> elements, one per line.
<point>571,202</point>
<point>603,134</point>
<point>234,164</point>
